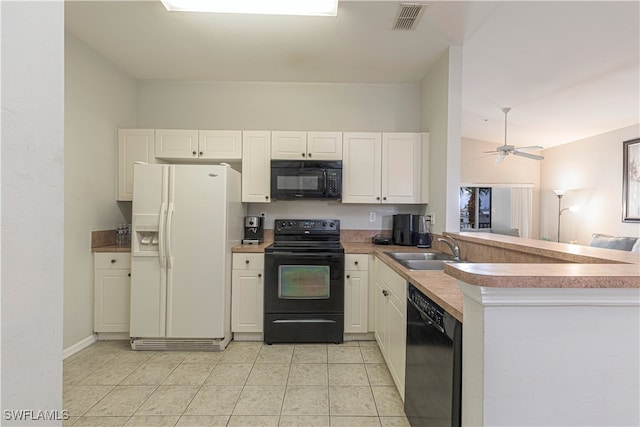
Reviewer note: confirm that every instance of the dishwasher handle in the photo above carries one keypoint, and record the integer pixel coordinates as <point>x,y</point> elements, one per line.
<point>426,317</point>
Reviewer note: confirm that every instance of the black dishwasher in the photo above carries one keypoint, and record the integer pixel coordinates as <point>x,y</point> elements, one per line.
<point>433,375</point>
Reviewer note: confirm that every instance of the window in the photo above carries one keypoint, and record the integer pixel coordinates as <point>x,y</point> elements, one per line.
<point>475,207</point>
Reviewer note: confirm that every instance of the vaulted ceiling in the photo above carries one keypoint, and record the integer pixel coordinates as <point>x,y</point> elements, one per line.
<point>568,70</point>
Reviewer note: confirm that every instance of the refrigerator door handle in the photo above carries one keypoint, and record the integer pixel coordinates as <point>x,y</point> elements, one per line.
<point>162,255</point>
<point>169,235</point>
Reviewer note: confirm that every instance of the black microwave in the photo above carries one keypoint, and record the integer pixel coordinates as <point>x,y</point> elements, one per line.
<point>293,180</point>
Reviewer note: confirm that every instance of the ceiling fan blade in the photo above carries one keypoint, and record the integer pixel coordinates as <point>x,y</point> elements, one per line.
<point>493,153</point>
<point>533,147</point>
<point>500,158</point>
<point>528,156</point>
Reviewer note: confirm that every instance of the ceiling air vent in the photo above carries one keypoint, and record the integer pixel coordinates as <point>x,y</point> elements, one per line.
<point>408,16</point>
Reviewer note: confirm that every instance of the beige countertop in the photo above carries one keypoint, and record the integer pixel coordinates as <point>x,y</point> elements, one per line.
<point>112,248</point>
<point>571,266</point>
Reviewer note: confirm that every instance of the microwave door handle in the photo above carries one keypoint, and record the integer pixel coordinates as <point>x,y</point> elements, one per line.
<point>325,189</point>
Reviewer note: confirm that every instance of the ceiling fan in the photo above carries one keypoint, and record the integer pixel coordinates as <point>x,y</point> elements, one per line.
<point>504,150</point>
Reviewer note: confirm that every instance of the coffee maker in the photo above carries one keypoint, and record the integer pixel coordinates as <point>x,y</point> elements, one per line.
<point>411,230</point>
<point>253,230</point>
<point>405,229</point>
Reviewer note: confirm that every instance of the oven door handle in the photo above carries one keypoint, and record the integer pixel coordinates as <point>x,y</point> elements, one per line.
<point>306,255</point>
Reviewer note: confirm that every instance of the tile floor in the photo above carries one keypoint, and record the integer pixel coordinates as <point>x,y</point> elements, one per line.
<point>248,384</point>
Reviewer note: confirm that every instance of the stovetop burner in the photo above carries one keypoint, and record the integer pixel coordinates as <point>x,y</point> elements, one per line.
<point>311,235</point>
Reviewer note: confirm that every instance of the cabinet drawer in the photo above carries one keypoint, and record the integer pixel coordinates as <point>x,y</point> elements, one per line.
<point>358,262</point>
<point>112,260</point>
<point>248,261</point>
<point>394,281</point>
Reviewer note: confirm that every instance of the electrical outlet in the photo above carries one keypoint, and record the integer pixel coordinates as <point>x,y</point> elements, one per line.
<point>372,216</point>
<point>432,218</point>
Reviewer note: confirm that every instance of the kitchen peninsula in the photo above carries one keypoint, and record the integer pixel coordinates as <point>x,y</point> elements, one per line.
<point>551,332</point>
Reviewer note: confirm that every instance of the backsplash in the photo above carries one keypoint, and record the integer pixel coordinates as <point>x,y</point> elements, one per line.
<point>351,216</point>
<point>103,238</point>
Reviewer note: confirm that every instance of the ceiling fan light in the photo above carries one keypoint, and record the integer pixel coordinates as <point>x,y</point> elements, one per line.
<point>262,7</point>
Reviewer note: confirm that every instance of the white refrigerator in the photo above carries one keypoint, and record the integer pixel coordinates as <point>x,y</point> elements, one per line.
<point>185,220</point>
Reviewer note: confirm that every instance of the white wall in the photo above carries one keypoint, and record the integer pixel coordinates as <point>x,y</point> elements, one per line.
<point>477,168</point>
<point>32,207</point>
<point>441,93</point>
<point>288,106</point>
<point>592,169</point>
<point>98,99</point>
<point>278,106</point>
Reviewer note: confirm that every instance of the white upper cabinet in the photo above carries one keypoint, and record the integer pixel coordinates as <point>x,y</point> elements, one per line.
<point>290,145</point>
<point>385,168</point>
<point>324,145</point>
<point>134,145</point>
<point>220,144</point>
<point>361,167</point>
<point>177,144</point>
<point>401,168</point>
<point>256,166</point>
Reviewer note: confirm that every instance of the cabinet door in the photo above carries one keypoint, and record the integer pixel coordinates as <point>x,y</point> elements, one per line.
<point>401,168</point>
<point>288,145</point>
<point>111,300</point>
<point>361,167</point>
<point>397,335</point>
<point>356,301</point>
<point>134,145</point>
<point>324,145</point>
<point>220,144</point>
<point>176,144</point>
<point>380,316</point>
<point>256,166</point>
<point>247,295</point>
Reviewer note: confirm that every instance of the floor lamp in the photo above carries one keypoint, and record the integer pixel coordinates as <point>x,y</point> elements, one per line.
<point>574,208</point>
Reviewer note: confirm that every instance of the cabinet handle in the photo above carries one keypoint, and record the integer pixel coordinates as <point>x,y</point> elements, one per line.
<point>129,274</point>
<point>385,293</point>
<point>247,262</point>
<point>113,261</point>
<point>201,153</point>
<point>259,275</point>
<point>348,277</point>
<point>266,197</point>
<point>356,263</point>
<point>309,154</point>
<point>303,154</point>
<point>194,153</point>
<point>384,198</point>
<point>377,198</point>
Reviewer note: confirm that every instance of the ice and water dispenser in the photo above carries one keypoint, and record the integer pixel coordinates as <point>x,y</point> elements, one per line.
<point>145,235</point>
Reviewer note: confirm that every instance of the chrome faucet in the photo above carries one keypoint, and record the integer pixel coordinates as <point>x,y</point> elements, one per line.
<point>453,245</point>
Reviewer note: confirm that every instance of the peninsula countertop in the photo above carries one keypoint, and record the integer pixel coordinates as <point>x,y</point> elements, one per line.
<point>569,266</point>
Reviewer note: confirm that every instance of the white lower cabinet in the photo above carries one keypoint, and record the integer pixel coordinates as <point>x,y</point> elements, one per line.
<point>112,285</point>
<point>356,293</point>
<point>390,320</point>
<point>247,293</point>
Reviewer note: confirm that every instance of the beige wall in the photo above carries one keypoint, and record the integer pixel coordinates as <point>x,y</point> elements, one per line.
<point>592,169</point>
<point>278,106</point>
<point>98,98</point>
<point>440,116</point>
<point>477,168</point>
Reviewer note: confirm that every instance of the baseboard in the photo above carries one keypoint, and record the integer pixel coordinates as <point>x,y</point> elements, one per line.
<point>80,345</point>
<point>363,336</point>
<point>106,336</point>
<point>248,336</point>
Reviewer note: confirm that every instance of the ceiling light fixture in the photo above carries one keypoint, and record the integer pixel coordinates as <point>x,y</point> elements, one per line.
<point>262,7</point>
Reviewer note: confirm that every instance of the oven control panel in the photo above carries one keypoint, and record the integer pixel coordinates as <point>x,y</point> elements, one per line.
<point>307,225</point>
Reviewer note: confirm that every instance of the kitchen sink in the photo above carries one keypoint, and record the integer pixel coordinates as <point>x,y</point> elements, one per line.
<point>422,260</point>
<point>419,256</point>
